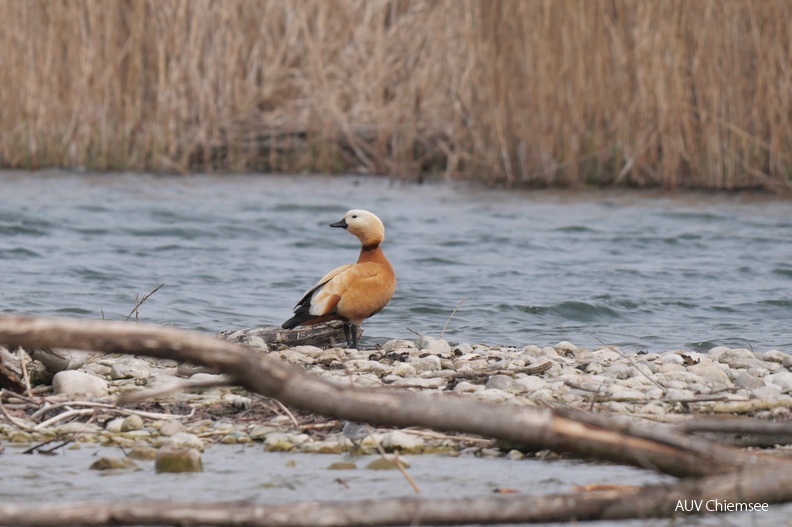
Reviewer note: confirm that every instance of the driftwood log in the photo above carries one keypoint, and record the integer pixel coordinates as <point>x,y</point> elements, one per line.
<point>59,359</point>
<point>715,470</point>
<point>754,489</point>
<point>324,334</point>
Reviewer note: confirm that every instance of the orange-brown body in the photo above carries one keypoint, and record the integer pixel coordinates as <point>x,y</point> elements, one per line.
<point>353,292</point>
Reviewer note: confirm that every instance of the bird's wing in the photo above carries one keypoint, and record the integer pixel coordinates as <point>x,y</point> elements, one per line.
<point>320,297</point>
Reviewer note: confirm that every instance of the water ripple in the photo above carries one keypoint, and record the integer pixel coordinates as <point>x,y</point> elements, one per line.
<point>533,268</point>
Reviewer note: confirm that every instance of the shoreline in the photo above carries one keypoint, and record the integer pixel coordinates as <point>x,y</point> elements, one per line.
<point>670,387</point>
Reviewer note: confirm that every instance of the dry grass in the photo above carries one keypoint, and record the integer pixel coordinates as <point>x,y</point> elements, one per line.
<point>672,93</point>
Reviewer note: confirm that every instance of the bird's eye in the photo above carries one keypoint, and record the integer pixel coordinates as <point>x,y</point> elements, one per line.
<point>354,216</point>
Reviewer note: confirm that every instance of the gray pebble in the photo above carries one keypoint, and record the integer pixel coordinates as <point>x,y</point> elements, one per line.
<point>436,347</point>
<point>748,381</point>
<point>782,379</point>
<point>466,387</point>
<point>709,373</point>
<point>130,368</point>
<point>418,382</point>
<point>402,441</point>
<point>500,382</point>
<point>770,391</point>
<point>132,422</point>
<point>171,427</point>
<point>73,382</point>
<point>396,344</point>
<point>184,440</point>
<point>786,362</point>
<point>670,358</point>
<point>429,363</point>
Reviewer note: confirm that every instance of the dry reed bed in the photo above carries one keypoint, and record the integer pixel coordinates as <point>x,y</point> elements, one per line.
<point>674,93</point>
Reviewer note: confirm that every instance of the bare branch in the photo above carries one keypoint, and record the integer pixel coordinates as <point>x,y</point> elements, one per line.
<point>656,501</point>
<point>138,304</point>
<point>537,429</point>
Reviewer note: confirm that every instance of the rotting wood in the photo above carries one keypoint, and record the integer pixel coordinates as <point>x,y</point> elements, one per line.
<point>320,335</point>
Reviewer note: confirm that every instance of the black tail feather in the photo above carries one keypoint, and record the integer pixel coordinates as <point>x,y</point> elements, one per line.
<point>300,317</point>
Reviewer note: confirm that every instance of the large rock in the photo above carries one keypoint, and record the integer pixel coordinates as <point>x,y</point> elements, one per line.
<point>60,359</point>
<point>78,383</point>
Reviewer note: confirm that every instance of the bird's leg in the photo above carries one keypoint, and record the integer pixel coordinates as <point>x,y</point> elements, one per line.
<point>354,331</point>
<point>347,334</point>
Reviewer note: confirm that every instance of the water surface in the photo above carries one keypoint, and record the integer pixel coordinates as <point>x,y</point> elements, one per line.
<point>639,270</point>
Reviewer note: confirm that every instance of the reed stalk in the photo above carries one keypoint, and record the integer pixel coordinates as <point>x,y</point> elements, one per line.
<point>676,94</point>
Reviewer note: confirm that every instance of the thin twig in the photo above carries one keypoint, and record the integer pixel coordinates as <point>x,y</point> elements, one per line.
<point>396,461</point>
<point>403,470</point>
<point>138,304</point>
<point>171,387</point>
<point>413,331</point>
<point>16,422</point>
<point>8,394</point>
<point>63,415</point>
<point>38,446</point>
<point>594,397</point>
<point>450,317</point>
<point>107,406</point>
<point>23,357</point>
<point>287,412</point>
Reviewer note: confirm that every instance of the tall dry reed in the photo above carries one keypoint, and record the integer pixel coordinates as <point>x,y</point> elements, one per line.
<point>675,93</point>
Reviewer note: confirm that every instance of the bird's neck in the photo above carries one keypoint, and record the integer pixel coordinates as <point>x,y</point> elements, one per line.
<point>372,253</point>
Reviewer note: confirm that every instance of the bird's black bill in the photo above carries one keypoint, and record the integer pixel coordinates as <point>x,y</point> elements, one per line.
<point>343,224</point>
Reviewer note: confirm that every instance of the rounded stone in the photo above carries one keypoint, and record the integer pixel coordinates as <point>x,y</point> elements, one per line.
<point>748,381</point>
<point>130,368</point>
<point>393,345</point>
<point>466,387</point>
<point>770,391</point>
<point>786,362</point>
<point>462,348</point>
<point>773,356</point>
<point>782,379</point>
<point>500,382</point>
<point>429,363</point>
<point>565,345</point>
<point>670,358</point>
<point>402,369</point>
<point>181,440</point>
<point>71,382</point>
<point>308,351</point>
<point>132,422</point>
<point>114,425</point>
<point>607,354</point>
<point>493,395</point>
<point>401,441</point>
<point>171,427</point>
<point>435,347</point>
<point>170,459</point>
<point>711,374</point>
<point>113,463</point>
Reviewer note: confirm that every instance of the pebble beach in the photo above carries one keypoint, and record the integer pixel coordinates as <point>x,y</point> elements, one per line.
<point>668,387</point>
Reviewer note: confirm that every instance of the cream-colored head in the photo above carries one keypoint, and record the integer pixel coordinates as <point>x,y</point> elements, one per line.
<point>366,226</point>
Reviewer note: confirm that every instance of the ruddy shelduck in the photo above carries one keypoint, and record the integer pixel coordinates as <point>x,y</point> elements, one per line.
<point>353,292</point>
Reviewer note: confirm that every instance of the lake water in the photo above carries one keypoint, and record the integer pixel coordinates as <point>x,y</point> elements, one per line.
<point>246,474</point>
<point>638,270</point>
